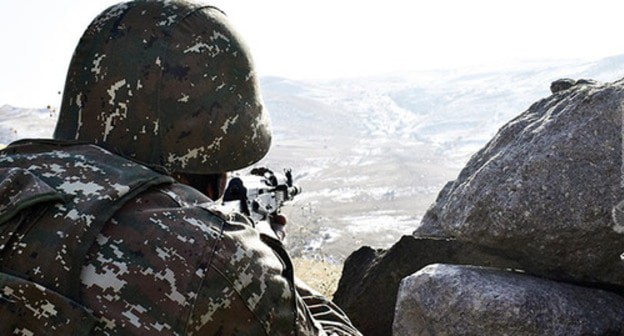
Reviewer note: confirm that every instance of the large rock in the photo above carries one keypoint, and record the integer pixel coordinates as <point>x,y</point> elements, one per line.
<point>461,300</point>
<point>543,188</point>
<point>370,280</point>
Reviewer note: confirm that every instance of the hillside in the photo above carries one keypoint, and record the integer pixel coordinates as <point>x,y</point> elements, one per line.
<point>372,153</point>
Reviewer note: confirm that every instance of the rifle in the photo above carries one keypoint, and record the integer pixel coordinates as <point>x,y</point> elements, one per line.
<point>260,195</point>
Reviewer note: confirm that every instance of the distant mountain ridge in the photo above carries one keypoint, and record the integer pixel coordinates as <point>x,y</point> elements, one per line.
<point>457,110</point>
<point>371,153</point>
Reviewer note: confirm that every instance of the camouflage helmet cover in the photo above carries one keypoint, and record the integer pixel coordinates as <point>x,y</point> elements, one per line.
<point>168,83</point>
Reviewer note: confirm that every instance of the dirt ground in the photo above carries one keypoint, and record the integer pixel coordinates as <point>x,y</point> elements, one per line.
<point>321,275</point>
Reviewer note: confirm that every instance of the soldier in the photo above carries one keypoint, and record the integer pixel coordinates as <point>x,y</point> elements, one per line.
<point>97,235</point>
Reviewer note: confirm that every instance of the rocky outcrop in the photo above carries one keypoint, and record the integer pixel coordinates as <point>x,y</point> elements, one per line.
<point>370,279</point>
<point>566,83</point>
<point>543,189</point>
<point>466,300</point>
<point>537,198</point>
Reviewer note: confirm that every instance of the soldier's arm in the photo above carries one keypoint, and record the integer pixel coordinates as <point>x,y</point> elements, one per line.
<point>326,313</point>
<point>250,289</point>
<point>247,290</point>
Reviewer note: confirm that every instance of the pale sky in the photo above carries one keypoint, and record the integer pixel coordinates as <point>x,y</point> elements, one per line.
<point>329,38</point>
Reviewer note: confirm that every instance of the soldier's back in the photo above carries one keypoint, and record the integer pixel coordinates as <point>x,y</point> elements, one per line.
<point>92,243</point>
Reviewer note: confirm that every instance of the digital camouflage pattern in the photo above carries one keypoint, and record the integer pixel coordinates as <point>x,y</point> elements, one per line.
<point>95,244</point>
<point>168,83</point>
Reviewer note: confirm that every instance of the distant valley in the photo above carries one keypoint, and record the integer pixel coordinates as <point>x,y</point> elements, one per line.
<point>372,153</point>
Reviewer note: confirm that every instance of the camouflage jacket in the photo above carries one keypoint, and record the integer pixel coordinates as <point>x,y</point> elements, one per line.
<point>95,244</point>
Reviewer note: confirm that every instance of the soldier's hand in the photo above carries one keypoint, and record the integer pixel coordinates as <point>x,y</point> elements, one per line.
<point>278,224</point>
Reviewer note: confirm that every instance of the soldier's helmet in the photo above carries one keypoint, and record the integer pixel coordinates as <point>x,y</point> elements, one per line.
<point>168,83</point>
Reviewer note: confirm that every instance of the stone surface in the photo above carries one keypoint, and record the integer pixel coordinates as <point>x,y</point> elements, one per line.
<point>543,188</point>
<point>538,198</point>
<point>566,83</point>
<point>370,280</point>
<point>561,84</point>
<point>461,300</point>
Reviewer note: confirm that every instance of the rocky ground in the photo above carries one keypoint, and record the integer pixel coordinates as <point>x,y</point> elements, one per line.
<point>527,240</point>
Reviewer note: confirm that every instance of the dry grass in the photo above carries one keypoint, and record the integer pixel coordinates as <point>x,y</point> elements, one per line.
<point>321,275</point>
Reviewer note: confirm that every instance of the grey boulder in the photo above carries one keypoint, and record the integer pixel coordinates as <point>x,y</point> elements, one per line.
<point>466,300</point>
<point>542,190</point>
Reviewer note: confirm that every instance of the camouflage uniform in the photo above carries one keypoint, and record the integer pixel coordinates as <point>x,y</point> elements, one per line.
<point>156,259</point>
<point>95,243</point>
